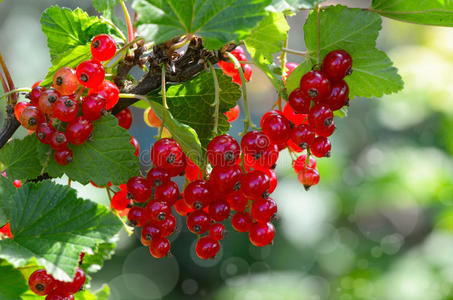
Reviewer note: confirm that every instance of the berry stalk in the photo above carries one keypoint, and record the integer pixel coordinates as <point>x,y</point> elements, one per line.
<point>216,97</point>
<point>9,80</point>
<point>163,92</point>
<point>130,28</point>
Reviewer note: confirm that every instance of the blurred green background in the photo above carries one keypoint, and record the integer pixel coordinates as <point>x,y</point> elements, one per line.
<point>378,226</point>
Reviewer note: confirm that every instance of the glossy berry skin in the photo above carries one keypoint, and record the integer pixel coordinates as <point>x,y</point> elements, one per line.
<point>315,85</point>
<point>198,222</point>
<point>277,128</point>
<point>168,226</point>
<point>168,155</point>
<point>150,231</point>
<point>299,102</point>
<point>197,194</point>
<point>268,114</point>
<point>109,91</point>
<point>17,183</point>
<point>241,221</point>
<point>41,283</point>
<point>225,179</point>
<point>303,135</point>
<point>65,109</point>
<point>339,95</point>
<point>223,151</point>
<point>93,106</point>
<point>255,143</point>
<point>120,201</point>
<point>261,234</point>
<point>299,163</point>
<point>168,193</point>
<point>139,189</point>
<point>103,47</point>
<point>219,210</point>
<point>320,116</point>
<point>273,180</point>
<point>321,147</point>
<point>247,71</point>
<point>58,140</point>
<point>57,296</point>
<point>267,159</point>
<point>294,117</point>
<point>263,210</point>
<point>72,287</point>
<point>157,177</point>
<point>337,64</point>
<point>192,171</point>
<point>136,216</point>
<point>124,118</point>
<point>182,208</point>
<point>237,201</point>
<point>207,247</point>
<point>308,177</point>
<point>35,94</point>
<point>233,114</point>
<point>65,81</point>
<point>44,132</point>
<point>326,131</point>
<point>157,211</point>
<point>136,145</point>
<point>31,117</point>
<point>47,101</point>
<point>159,247</point>
<point>228,67</point>
<point>290,68</point>
<point>151,119</point>
<point>79,130</point>
<point>90,73</point>
<point>63,157</point>
<point>255,185</point>
<point>217,231</point>
<point>19,108</point>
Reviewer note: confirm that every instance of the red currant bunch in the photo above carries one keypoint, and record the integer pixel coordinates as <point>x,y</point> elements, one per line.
<point>43,284</point>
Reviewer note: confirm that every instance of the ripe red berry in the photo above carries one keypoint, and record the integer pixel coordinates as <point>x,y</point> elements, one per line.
<point>69,288</point>
<point>44,132</point>
<point>308,177</point>
<point>321,147</point>
<point>151,119</point>
<point>197,194</point>
<point>290,68</point>
<point>326,131</point>
<point>65,81</point>
<point>168,192</point>
<point>263,210</point>
<point>237,201</point>
<point>294,117</point>
<point>138,189</point>
<point>103,47</point>
<point>299,102</point>
<point>233,114</point>
<point>339,96</point>
<point>268,114</point>
<point>31,117</point>
<point>255,143</point>
<point>65,109</point>
<point>157,177</point>
<point>273,180</point>
<point>168,226</point>
<point>90,73</point>
<point>58,140</point>
<point>299,163</point>
<point>79,130</point>
<point>223,150</point>
<point>268,159</point>
<point>277,128</point>
<point>136,216</point>
<point>337,64</point>
<point>124,118</point>
<point>35,94</point>
<point>182,208</point>
<point>47,101</point>
<point>320,116</point>
<point>110,92</point>
<point>6,230</point>
<point>303,135</point>
<point>225,179</point>
<point>157,211</point>
<point>219,210</point>
<point>136,145</point>
<point>192,171</point>
<point>198,221</point>
<point>241,221</point>
<point>315,85</point>
<point>207,247</point>
<point>54,295</point>
<point>255,185</point>
<point>120,201</point>
<point>217,231</point>
<point>228,67</point>
<point>17,183</point>
<point>19,108</point>
<point>150,231</point>
<point>261,234</point>
<point>168,155</point>
<point>159,247</point>
<point>41,283</point>
<point>247,71</point>
<point>93,107</point>
<point>63,157</point>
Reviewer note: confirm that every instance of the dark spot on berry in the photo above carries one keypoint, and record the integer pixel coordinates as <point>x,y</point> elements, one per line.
<point>96,44</point>
<point>40,287</point>
<point>349,71</point>
<point>257,155</point>
<point>162,216</point>
<point>303,145</point>
<point>196,228</point>
<point>229,155</point>
<point>273,166</point>
<point>41,135</point>
<point>59,80</point>
<point>52,98</point>
<point>328,122</point>
<point>60,137</point>
<point>237,186</point>
<point>132,223</point>
<point>307,187</point>
<point>157,182</point>
<point>84,77</point>
<point>313,93</point>
<point>327,154</point>
<point>32,121</point>
<point>104,112</point>
<point>69,159</point>
<point>291,124</point>
<point>171,158</point>
<point>68,103</point>
<point>130,196</point>
<point>266,194</point>
<point>198,205</point>
<point>148,237</point>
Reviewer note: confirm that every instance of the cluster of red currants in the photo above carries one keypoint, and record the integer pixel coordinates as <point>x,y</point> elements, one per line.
<point>43,284</point>
<point>64,113</point>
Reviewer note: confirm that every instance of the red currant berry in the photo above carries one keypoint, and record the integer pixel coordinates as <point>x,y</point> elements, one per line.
<point>321,147</point>
<point>90,73</point>
<point>339,96</point>
<point>63,157</point>
<point>198,221</point>
<point>138,189</point>
<point>197,194</point>
<point>120,201</point>
<point>293,117</point>
<point>124,118</point>
<point>303,135</point>
<point>54,295</point>
<point>277,128</point>
<point>337,64</point>
<point>58,140</point>
<point>219,210</point>
<point>168,193</point>
<point>93,107</point>
<point>157,177</point>
<point>167,154</point>
<point>47,101</point>
<point>223,151</point>
<point>233,114</point>
<point>320,116</point>
<point>326,131</point>
<point>255,185</point>
<point>217,231</point>
<point>168,226</point>
<point>109,91</point>
<point>226,179</point>
<point>207,247</point>
<point>44,132</point>
<point>103,47</point>
<point>261,234</point>
<point>182,208</point>
<point>79,130</point>
<point>273,180</point>
<point>255,143</point>
<point>263,210</point>
<point>192,171</point>
<point>150,231</point>
<point>66,109</point>
<point>268,114</point>
<point>159,247</point>
<point>137,216</point>
<point>151,119</point>
<point>35,94</point>
<point>136,145</point>
<point>299,102</point>
<point>157,211</point>
<point>41,283</point>
<point>247,71</point>
<point>266,161</point>
<point>237,201</point>
<point>228,67</point>
<point>19,108</point>
<point>65,81</point>
<point>299,163</point>
<point>308,177</point>
<point>17,183</point>
<point>315,85</point>
<point>241,221</point>
<point>294,147</point>
<point>72,287</point>
<point>6,230</point>
<point>290,68</point>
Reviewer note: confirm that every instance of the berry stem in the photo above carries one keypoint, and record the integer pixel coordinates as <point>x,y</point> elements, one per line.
<point>295,52</point>
<point>15,91</point>
<point>121,34</point>
<point>318,33</point>
<point>9,80</point>
<point>69,182</point>
<point>130,28</point>
<point>163,92</point>
<point>216,97</point>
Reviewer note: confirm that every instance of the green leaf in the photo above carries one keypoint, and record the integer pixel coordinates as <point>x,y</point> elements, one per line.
<point>102,294</point>
<point>293,81</point>
<point>107,9</point>
<point>217,22</point>
<point>50,223</point>
<point>13,283</point>
<point>439,13</point>
<point>355,31</point>
<point>71,58</point>
<point>192,103</point>
<point>7,189</point>
<point>66,29</point>
<point>20,160</point>
<point>109,156</point>
<point>292,5</point>
<point>94,262</point>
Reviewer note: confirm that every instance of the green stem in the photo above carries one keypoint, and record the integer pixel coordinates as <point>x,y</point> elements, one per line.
<point>121,34</point>
<point>318,33</point>
<point>296,52</point>
<point>130,28</point>
<point>216,97</point>
<point>134,96</point>
<point>15,91</point>
<point>163,92</point>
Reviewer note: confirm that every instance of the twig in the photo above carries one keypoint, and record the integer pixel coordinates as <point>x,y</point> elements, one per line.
<point>130,28</point>
<point>295,52</point>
